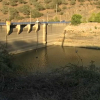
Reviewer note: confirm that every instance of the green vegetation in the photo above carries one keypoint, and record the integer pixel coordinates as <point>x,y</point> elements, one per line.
<point>25,9</point>
<point>5,2</point>
<point>94,18</point>
<point>97,18</point>
<point>47,1</point>
<point>38,6</point>
<point>13,2</point>
<point>71,82</point>
<point>54,20</point>
<point>13,13</point>
<point>72,2</point>
<point>76,19</point>
<point>32,1</point>
<point>35,13</point>
<point>65,6</point>
<point>22,1</point>
<point>4,9</point>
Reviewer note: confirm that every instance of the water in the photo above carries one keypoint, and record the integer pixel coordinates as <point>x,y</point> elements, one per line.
<point>56,56</point>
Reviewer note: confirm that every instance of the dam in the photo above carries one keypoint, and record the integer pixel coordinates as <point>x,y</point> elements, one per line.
<point>25,36</point>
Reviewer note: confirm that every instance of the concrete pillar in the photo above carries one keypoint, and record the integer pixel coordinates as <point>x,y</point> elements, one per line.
<point>36,27</point>
<point>19,29</point>
<point>45,33</point>
<point>8,23</point>
<point>29,28</point>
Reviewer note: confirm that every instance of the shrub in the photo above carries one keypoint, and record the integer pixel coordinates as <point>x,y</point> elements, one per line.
<point>64,2</point>
<point>52,6</point>
<point>22,1</point>
<point>13,13</point>
<point>5,2</point>
<point>97,18</point>
<point>58,9</point>
<point>4,10</point>
<point>36,14</point>
<point>25,9</point>
<point>54,20</point>
<point>59,2</point>
<point>76,19</point>
<point>32,1</point>
<point>13,3</point>
<point>72,2</point>
<point>7,68</point>
<point>61,13</point>
<point>92,18</point>
<point>0,0</point>
<point>39,6</point>
<point>47,1</point>
<point>81,0</point>
<point>64,7</point>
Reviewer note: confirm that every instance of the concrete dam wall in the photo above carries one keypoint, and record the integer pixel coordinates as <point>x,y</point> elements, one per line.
<point>20,38</point>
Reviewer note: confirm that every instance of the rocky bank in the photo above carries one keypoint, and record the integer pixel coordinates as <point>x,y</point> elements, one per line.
<point>83,35</point>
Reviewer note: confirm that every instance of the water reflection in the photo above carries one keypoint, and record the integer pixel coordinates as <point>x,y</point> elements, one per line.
<point>57,56</point>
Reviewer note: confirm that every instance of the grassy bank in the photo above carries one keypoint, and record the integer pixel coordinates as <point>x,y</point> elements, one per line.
<point>68,83</point>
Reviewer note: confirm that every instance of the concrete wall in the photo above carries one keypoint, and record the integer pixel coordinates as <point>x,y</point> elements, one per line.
<point>20,40</point>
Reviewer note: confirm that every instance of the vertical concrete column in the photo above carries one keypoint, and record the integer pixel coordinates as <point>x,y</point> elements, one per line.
<point>29,28</point>
<point>18,29</point>
<point>45,33</point>
<point>36,27</point>
<point>8,23</point>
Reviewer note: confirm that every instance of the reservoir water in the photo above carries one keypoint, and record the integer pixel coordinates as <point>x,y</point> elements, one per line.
<point>56,56</point>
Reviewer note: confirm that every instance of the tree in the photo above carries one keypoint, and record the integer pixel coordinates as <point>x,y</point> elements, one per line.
<point>76,19</point>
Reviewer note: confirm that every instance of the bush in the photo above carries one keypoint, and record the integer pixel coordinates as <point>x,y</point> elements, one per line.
<point>81,0</point>
<point>5,2</point>
<point>13,2</point>
<point>92,18</point>
<point>59,2</point>
<point>4,10</point>
<point>32,1</point>
<point>25,9</point>
<point>76,19</point>
<point>13,13</point>
<point>97,18</point>
<point>72,2</point>
<point>54,20</point>
<point>64,7</point>
<point>58,9</point>
<point>6,65</point>
<point>22,1</point>
<point>36,14</point>
<point>39,6</point>
<point>47,1</point>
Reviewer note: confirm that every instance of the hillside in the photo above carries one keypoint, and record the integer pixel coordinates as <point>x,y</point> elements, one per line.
<point>47,10</point>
